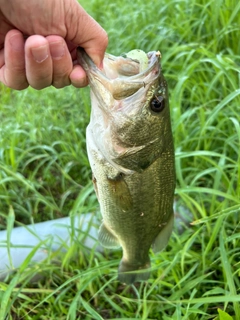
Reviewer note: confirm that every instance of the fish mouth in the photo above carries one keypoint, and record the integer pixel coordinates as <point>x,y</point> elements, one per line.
<point>121,76</point>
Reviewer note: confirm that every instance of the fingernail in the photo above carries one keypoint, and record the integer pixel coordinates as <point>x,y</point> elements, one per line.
<point>40,54</point>
<point>57,50</point>
<point>16,42</point>
<point>97,61</point>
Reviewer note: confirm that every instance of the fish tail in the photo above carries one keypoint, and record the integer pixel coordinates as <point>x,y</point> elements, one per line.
<point>129,273</point>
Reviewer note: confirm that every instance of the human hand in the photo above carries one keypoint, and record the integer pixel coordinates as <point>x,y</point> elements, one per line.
<point>38,41</point>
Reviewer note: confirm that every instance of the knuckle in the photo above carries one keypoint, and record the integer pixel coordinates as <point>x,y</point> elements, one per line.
<point>14,81</point>
<point>39,80</point>
<point>105,39</point>
<point>61,82</point>
<point>39,86</point>
<point>60,85</point>
<point>20,86</point>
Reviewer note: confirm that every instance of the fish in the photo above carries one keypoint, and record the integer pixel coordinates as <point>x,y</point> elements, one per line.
<point>131,153</point>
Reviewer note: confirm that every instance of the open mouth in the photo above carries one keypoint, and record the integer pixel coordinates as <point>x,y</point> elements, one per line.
<point>122,76</point>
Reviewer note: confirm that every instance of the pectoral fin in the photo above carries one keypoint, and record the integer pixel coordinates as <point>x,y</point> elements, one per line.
<point>120,192</point>
<point>107,238</point>
<point>162,238</point>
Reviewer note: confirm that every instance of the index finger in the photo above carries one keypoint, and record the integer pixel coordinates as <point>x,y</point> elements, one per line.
<point>85,32</point>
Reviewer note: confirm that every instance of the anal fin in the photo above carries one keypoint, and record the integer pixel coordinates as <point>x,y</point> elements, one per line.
<point>107,238</point>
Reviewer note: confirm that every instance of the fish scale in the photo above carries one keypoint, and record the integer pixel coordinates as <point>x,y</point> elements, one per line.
<point>130,150</point>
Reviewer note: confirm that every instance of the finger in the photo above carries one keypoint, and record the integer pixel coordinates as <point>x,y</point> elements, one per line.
<point>85,32</point>
<point>78,77</point>
<point>61,61</point>
<point>12,61</point>
<point>38,59</point>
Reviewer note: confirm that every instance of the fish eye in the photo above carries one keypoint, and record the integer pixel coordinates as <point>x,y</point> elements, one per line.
<point>157,104</point>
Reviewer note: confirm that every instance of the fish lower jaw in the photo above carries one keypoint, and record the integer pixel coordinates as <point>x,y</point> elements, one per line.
<point>129,273</point>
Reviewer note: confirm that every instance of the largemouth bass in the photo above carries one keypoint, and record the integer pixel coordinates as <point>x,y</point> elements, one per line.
<point>131,153</point>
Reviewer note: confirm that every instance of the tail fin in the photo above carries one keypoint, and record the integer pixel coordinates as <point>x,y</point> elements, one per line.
<point>129,273</point>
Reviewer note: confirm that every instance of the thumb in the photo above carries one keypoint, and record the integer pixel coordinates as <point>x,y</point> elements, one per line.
<point>84,31</point>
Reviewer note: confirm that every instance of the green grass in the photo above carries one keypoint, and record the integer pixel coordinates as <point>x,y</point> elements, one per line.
<point>44,174</point>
